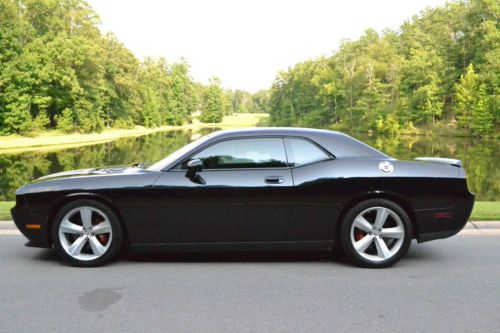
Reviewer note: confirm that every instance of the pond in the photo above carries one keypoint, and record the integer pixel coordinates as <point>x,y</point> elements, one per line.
<point>481,158</point>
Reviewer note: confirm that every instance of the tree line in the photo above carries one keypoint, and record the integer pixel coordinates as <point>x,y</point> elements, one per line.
<point>440,69</point>
<point>58,71</point>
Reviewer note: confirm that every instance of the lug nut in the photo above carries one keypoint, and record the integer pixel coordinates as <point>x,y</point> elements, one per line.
<point>369,233</point>
<point>92,235</point>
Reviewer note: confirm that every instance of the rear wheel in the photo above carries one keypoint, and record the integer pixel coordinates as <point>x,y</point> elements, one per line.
<point>376,233</point>
<point>87,233</point>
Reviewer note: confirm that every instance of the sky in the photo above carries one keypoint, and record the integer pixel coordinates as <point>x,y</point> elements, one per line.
<point>246,42</point>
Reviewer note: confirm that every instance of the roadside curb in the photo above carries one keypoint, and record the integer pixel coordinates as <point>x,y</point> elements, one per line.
<point>483,225</point>
<point>7,225</point>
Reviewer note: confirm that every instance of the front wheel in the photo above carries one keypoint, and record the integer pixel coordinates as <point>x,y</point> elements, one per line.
<point>87,233</point>
<point>375,233</point>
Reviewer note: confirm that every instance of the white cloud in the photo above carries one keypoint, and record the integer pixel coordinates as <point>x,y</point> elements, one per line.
<point>246,42</point>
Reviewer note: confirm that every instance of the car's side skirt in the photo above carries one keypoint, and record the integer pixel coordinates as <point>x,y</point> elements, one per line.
<point>224,246</point>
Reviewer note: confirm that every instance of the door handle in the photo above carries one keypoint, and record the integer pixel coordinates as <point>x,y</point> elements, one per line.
<point>274,179</point>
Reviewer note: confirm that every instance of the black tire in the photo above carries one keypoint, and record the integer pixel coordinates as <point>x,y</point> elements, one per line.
<point>347,239</point>
<point>116,241</point>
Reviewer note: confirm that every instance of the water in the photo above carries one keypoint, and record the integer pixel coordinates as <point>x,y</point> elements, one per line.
<point>481,158</point>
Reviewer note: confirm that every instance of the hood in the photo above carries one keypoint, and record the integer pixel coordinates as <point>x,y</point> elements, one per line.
<point>89,172</point>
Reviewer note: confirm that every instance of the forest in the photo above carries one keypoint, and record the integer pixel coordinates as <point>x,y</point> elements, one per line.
<point>439,71</point>
<point>58,71</point>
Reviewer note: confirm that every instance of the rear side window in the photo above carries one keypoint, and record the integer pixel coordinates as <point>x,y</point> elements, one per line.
<point>300,152</point>
<point>244,153</point>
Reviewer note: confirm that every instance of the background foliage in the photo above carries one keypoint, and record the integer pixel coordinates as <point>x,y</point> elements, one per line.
<point>439,68</point>
<point>58,71</point>
<point>439,71</point>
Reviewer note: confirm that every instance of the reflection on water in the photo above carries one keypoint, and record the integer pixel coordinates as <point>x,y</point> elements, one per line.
<point>480,157</point>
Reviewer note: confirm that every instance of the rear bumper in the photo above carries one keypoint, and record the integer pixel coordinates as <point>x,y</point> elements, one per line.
<point>24,219</point>
<point>446,222</point>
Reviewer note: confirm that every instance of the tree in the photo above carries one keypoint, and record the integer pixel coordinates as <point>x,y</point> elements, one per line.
<point>214,110</point>
<point>65,122</point>
<point>228,102</point>
<point>482,114</point>
<point>466,96</point>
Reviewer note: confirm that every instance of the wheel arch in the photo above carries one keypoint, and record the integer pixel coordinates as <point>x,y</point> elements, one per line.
<point>398,199</point>
<point>82,196</point>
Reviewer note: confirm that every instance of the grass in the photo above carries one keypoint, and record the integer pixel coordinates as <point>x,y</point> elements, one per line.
<point>57,140</point>
<point>483,211</point>
<point>5,207</point>
<point>486,211</point>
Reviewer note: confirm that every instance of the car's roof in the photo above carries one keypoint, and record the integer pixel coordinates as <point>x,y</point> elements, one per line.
<point>337,143</point>
<point>285,131</point>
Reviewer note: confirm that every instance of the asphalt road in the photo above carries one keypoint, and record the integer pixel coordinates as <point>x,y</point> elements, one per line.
<point>447,285</point>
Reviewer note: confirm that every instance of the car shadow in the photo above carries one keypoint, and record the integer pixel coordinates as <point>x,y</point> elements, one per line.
<point>417,252</point>
<point>48,255</point>
<point>237,257</point>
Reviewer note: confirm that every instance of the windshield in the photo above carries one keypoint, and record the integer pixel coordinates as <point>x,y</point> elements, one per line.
<point>160,165</point>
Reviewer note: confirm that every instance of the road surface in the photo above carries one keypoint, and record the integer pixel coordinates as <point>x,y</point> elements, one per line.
<point>446,285</point>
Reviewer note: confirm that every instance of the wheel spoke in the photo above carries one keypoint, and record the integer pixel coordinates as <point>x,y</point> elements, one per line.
<point>363,244</point>
<point>86,215</point>
<point>382,214</point>
<point>68,227</point>
<point>97,247</point>
<point>102,228</point>
<point>382,249</point>
<point>77,246</point>
<point>395,232</point>
<point>361,223</point>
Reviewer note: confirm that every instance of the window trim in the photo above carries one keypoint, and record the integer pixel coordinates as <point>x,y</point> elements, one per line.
<point>175,167</point>
<point>329,155</point>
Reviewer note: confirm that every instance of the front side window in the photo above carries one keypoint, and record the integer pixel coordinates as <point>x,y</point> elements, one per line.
<point>302,152</point>
<point>244,153</point>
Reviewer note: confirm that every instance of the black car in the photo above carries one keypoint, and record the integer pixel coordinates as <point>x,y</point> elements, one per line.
<point>254,189</point>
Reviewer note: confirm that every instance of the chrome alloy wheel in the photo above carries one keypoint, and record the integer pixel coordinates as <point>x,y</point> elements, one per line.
<point>85,233</point>
<point>377,233</point>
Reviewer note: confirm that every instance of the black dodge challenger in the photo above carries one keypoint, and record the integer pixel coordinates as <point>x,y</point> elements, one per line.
<point>254,189</point>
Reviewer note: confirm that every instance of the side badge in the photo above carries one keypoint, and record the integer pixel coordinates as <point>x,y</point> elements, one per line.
<point>386,167</point>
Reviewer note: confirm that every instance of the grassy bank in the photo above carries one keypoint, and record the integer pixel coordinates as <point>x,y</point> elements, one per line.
<point>57,140</point>
<point>486,211</point>
<point>5,207</point>
<point>483,211</point>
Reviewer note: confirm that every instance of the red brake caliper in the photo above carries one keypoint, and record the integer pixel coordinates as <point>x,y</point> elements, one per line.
<point>358,236</point>
<point>102,238</point>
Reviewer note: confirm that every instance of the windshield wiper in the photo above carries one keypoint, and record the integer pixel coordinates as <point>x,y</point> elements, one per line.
<point>141,165</point>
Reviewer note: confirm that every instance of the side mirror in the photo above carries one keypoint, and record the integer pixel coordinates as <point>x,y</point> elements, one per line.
<point>193,167</point>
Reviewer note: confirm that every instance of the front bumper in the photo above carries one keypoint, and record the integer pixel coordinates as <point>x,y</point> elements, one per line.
<point>25,220</point>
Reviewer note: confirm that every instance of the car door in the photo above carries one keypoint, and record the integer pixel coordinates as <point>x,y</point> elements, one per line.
<point>243,195</point>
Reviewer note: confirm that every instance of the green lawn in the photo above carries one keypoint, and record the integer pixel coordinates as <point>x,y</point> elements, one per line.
<point>5,207</point>
<point>483,211</point>
<point>486,211</point>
